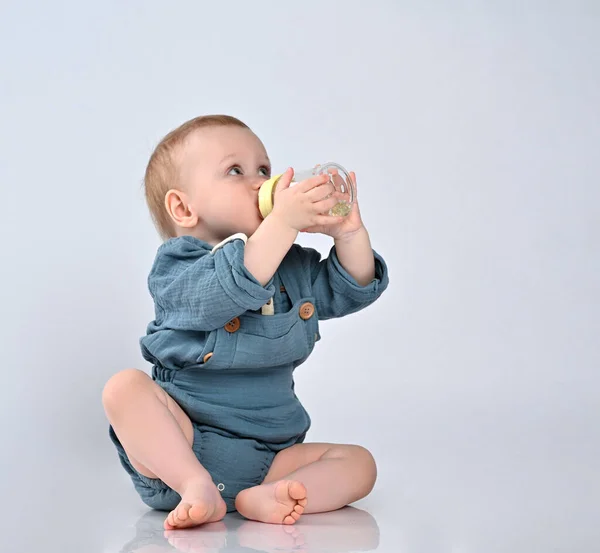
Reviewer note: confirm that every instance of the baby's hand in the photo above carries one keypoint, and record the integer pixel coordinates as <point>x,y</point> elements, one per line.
<point>344,227</point>
<point>305,204</point>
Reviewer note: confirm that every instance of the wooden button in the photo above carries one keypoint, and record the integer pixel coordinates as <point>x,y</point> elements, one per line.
<point>307,310</point>
<point>208,356</point>
<point>233,325</point>
<point>282,288</point>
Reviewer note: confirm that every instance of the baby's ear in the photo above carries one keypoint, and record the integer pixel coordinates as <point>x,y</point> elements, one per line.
<point>179,209</point>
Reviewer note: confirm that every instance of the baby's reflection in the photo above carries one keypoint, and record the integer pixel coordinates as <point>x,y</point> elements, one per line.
<point>348,529</point>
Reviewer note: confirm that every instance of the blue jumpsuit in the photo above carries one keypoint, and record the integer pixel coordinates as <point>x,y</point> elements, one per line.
<point>224,347</point>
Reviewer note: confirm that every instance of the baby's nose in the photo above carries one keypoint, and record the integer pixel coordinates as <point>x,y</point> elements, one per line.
<point>257,183</point>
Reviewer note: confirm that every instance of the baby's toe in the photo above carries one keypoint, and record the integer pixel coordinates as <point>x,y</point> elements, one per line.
<point>198,513</point>
<point>182,513</point>
<point>177,517</point>
<point>289,520</point>
<point>170,521</point>
<point>297,491</point>
<point>295,515</point>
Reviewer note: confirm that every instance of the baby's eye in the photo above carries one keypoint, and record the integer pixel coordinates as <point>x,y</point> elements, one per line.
<point>235,171</point>
<point>265,171</point>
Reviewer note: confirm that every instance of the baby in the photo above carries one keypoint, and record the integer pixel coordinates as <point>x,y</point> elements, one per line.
<point>218,426</point>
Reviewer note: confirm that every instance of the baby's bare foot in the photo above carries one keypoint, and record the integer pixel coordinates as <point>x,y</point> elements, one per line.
<point>278,503</point>
<point>200,503</point>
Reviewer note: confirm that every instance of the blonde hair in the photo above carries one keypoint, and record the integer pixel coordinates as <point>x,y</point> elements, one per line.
<point>162,172</point>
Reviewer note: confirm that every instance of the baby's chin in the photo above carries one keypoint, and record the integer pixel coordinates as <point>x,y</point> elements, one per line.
<point>251,230</point>
<point>247,225</point>
<point>248,230</point>
<point>252,227</point>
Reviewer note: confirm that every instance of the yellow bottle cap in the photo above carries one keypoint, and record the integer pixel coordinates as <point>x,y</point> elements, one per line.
<point>265,195</point>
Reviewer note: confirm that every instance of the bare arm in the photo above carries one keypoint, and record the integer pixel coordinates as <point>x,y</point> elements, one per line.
<point>267,247</point>
<point>356,256</point>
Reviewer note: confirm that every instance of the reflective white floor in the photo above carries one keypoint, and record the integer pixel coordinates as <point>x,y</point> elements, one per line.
<point>528,510</point>
<point>349,529</point>
<point>513,505</point>
<point>514,481</point>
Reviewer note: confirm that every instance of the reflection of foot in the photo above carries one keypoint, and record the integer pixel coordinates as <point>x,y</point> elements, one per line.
<point>341,531</point>
<point>347,529</point>
<point>281,502</point>
<point>271,538</point>
<point>200,503</point>
<point>211,538</point>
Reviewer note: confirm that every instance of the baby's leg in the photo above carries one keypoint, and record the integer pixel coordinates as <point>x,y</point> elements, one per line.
<point>309,478</point>
<point>157,437</point>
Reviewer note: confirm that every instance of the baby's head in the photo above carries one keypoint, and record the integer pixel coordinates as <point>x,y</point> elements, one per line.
<point>203,179</point>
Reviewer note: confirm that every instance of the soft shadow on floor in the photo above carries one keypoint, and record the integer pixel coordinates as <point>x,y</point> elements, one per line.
<point>342,531</point>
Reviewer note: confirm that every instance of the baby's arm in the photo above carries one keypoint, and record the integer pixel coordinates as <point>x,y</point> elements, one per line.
<point>356,256</point>
<point>340,288</point>
<point>267,247</point>
<point>196,289</point>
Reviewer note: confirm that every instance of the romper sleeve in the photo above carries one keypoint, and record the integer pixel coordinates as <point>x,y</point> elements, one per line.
<point>335,291</point>
<point>195,288</point>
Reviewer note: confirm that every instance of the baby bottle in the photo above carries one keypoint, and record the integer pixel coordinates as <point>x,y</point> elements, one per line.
<point>338,177</point>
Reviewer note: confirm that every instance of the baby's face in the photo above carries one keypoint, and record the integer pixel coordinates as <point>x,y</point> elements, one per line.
<point>222,170</point>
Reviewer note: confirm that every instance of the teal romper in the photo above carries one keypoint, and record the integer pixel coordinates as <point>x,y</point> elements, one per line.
<point>225,348</point>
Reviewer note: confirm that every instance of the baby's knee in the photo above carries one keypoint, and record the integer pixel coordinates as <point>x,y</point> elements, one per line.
<point>367,462</point>
<point>121,385</point>
<point>364,455</point>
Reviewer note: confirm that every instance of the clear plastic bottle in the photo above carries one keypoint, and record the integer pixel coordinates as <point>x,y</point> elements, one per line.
<point>338,176</point>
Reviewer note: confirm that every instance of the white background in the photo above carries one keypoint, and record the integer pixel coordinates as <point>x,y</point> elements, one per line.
<point>474,130</point>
